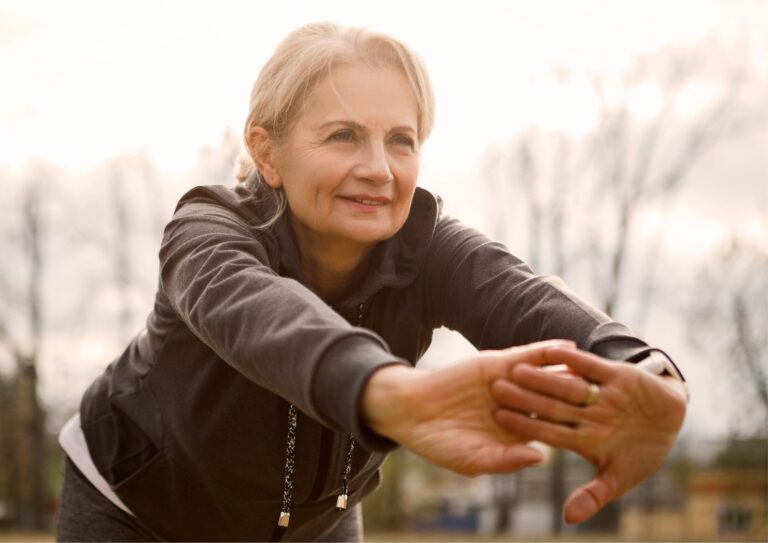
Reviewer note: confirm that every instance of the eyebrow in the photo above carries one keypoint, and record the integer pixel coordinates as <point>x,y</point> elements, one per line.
<point>360,127</point>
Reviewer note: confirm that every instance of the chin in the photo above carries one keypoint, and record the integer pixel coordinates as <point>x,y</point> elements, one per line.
<point>370,235</point>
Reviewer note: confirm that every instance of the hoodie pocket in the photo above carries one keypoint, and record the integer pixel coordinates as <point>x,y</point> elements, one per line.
<point>139,470</point>
<point>119,448</point>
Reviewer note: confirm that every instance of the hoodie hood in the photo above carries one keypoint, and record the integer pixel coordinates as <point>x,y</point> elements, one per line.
<point>395,261</point>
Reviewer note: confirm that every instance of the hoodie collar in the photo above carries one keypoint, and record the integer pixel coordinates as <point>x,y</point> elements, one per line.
<point>396,261</point>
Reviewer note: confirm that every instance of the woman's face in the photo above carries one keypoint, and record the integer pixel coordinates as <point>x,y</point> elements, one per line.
<point>350,163</point>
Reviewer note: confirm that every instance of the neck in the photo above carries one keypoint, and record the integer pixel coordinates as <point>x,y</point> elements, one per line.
<point>333,269</point>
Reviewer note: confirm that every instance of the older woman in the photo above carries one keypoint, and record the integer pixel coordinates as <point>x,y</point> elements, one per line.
<point>276,369</point>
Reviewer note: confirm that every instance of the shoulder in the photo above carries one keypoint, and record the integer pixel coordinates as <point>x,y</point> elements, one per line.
<point>453,235</point>
<point>429,235</point>
<point>209,215</point>
<point>428,220</point>
<point>237,202</point>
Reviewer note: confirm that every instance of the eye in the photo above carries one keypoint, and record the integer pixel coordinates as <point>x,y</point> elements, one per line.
<point>342,136</point>
<point>405,140</point>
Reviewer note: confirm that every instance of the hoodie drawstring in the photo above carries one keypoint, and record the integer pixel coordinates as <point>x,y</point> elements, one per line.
<point>342,499</point>
<point>290,448</point>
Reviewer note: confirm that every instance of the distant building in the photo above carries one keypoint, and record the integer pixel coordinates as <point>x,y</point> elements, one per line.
<point>676,504</point>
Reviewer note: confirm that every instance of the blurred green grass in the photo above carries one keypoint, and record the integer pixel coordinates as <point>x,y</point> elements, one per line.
<point>375,537</point>
<point>45,537</point>
<point>27,537</point>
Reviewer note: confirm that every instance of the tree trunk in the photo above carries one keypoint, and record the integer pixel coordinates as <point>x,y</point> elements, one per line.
<point>30,450</point>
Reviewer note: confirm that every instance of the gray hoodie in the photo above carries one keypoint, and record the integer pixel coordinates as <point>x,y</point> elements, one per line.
<point>189,424</point>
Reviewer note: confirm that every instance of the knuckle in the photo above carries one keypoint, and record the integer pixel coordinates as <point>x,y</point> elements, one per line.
<point>556,412</point>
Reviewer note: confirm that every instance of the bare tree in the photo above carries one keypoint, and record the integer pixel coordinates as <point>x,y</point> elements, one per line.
<point>624,164</point>
<point>121,246</point>
<point>122,222</point>
<point>133,210</point>
<point>728,316</point>
<point>642,163</point>
<point>534,171</point>
<point>24,447</point>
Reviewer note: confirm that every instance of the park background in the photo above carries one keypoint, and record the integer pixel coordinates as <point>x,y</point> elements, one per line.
<point>621,145</point>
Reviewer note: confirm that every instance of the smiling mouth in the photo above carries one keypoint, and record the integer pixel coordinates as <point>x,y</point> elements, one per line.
<point>365,201</point>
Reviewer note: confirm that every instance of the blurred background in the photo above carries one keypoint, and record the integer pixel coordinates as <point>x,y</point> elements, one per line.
<point>620,145</point>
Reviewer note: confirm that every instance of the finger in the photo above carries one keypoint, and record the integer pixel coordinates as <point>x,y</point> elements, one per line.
<point>503,459</point>
<point>588,499</point>
<point>551,433</point>
<point>512,396</point>
<point>588,365</point>
<point>536,352</point>
<point>568,388</point>
<point>504,360</point>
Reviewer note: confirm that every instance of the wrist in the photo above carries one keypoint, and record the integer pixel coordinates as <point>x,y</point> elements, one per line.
<point>659,363</point>
<point>680,386</point>
<point>384,399</point>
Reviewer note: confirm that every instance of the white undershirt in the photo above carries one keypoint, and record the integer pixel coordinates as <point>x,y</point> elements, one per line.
<point>72,440</point>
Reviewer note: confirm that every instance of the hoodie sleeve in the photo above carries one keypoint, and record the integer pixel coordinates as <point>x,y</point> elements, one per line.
<point>476,287</point>
<point>216,275</point>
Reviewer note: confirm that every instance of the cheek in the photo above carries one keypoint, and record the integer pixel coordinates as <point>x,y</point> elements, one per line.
<point>406,189</point>
<point>305,188</point>
<point>407,182</point>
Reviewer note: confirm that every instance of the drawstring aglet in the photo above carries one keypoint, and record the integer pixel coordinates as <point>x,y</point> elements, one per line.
<point>284,519</point>
<point>341,502</point>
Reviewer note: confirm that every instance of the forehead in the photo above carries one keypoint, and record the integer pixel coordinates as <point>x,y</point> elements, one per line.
<point>368,95</point>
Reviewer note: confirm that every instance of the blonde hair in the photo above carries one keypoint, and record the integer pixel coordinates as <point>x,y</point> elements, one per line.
<point>303,59</point>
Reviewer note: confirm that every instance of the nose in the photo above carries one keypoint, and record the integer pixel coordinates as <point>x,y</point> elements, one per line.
<point>374,164</point>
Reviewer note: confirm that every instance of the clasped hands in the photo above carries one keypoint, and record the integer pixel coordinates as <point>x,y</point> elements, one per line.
<point>475,416</point>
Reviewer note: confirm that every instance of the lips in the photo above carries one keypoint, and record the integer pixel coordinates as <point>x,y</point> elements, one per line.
<point>367,200</point>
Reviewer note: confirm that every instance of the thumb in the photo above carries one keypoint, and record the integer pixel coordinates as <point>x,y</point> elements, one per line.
<point>588,499</point>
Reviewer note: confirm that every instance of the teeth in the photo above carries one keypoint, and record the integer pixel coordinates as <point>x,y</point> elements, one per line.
<point>369,202</point>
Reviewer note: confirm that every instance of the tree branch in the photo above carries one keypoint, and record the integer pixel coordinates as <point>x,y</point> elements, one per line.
<point>747,346</point>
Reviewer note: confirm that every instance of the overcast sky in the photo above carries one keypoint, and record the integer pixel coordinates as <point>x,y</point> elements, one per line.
<point>87,79</point>
<point>83,81</point>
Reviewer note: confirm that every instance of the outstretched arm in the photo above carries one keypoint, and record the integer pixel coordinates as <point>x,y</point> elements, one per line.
<point>446,415</point>
<point>626,434</point>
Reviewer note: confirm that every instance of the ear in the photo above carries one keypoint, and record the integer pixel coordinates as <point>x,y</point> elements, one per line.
<point>263,151</point>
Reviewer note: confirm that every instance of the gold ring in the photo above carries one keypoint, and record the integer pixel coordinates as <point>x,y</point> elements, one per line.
<point>593,394</point>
